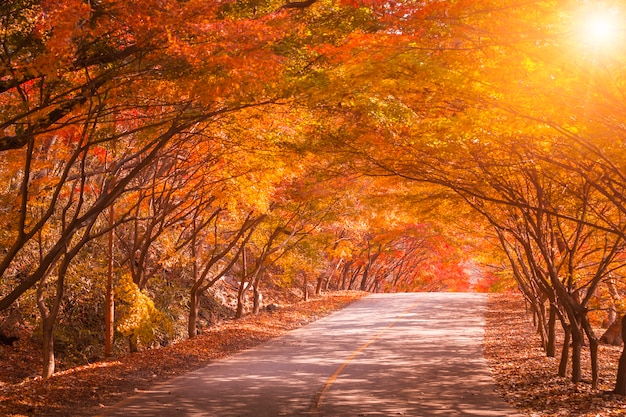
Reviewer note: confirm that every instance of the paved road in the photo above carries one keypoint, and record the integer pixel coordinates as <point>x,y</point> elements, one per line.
<point>417,354</point>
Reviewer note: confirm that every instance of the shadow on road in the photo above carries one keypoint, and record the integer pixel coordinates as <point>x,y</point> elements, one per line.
<point>417,354</point>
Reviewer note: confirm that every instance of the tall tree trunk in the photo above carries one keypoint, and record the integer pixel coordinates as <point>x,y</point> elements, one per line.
<point>565,350</point>
<point>240,300</point>
<point>258,298</point>
<point>242,285</point>
<point>109,297</point>
<point>255,281</point>
<point>305,288</point>
<point>344,274</point>
<point>577,345</point>
<point>48,320</point>
<point>49,316</point>
<point>363,286</point>
<point>593,349</point>
<point>194,301</point>
<point>551,345</point>
<point>194,309</point>
<point>48,348</point>
<point>320,283</point>
<point>615,300</point>
<point>355,275</point>
<point>539,319</point>
<point>620,383</point>
<point>327,284</point>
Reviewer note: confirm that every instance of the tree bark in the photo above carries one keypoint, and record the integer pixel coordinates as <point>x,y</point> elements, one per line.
<point>305,288</point>
<point>242,285</point>
<point>133,345</point>
<point>615,300</point>
<point>256,303</point>
<point>318,286</point>
<point>193,312</point>
<point>109,298</point>
<point>48,347</point>
<point>577,344</point>
<point>49,316</point>
<point>593,348</point>
<point>193,292</point>
<point>240,300</point>
<point>551,345</point>
<point>565,351</point>
<point>620,383</point>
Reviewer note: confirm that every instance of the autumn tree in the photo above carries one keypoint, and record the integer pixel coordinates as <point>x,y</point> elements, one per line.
<point>83,82</point>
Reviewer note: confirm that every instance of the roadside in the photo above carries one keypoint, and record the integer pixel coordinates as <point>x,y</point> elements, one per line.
<point>82,390</point>
<point>525,377</point>
<point>528,379</point>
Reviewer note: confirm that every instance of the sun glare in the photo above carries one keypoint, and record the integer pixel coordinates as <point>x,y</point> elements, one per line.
<point>601,29</point>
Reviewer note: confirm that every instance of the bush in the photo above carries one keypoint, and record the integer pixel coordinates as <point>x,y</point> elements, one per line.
<point>138,318</point>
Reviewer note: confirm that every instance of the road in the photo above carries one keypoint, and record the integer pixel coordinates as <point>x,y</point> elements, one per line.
<point>411,354</point>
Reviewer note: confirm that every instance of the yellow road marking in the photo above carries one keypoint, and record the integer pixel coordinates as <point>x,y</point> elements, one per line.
<point>331,380</point>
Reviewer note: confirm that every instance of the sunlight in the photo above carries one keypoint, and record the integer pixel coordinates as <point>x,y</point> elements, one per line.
<point>601,29</point>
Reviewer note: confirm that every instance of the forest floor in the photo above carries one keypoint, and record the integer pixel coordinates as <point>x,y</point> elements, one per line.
<point>529,380</point>
<point>525,377</point>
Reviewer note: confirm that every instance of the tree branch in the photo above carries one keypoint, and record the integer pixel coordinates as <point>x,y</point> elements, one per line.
<point>298,4</point>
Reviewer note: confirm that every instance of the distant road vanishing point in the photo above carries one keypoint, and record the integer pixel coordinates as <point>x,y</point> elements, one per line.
<point>409,354</point>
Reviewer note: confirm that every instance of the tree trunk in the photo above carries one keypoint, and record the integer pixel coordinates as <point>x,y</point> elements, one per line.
<point>355,275</point>
<point>242,284</point>
<point>615,300</point>
<point>577,345</point>
<point>240,300</point>
<point>48,348</point>
<point>539,319</point>
<point>593,349</point>
<point>133,345</point>
<point>320,282</point>
<point>620,383</point>
<point>258,298</point>
<point>49,317</point>
<point>551,345</point>
<point>565,351</point>
<point>344,274</point>
<point>194,309</point>
<point>364,277</point>
<point>109,298</point>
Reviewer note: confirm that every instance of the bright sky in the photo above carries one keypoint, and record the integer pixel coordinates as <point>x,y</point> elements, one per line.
<point>602,28</point>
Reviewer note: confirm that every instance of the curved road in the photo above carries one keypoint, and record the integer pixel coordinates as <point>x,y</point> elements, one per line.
<point>413,354</point>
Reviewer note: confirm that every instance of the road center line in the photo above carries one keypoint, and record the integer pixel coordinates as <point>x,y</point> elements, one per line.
<point>319,398</point>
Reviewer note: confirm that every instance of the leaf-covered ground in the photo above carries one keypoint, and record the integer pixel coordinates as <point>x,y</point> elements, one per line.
<point>87,390</point>
<point>529,380</point>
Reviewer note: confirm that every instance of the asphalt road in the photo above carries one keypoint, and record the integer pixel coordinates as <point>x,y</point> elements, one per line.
<point>417,354</point>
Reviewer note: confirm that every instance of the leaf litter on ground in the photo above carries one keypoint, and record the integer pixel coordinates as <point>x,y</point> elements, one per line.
<point>529,380</point>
